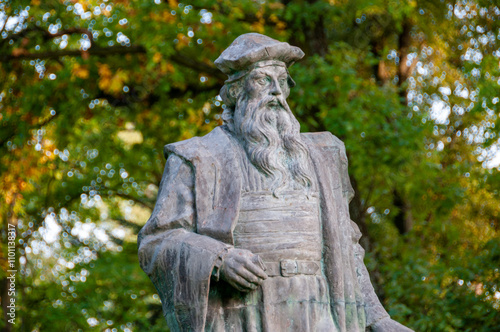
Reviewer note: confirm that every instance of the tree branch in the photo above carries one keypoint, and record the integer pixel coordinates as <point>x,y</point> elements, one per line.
<point>72,31</point>
<point>144,203</point>
<point>128,224</point>
<point>46,35</point>
<point>14,129</point>
<point>247,17</point>
<point>4,23</point>
<point>198,66</point>
<point>96,51</point>
<point>178,58</point>
<point>133,96</point>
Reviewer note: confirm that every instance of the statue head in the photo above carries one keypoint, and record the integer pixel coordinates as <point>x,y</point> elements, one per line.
<point>253,51</point>
<point>256,108</point>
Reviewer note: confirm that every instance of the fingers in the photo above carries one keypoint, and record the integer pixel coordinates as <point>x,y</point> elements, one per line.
<point>249,276</point>
<point>240,283</point>
<point>253,263</point>
<point>241,289</point>
<point>257,269</point>
<point>243,270</point>
<point>256,260</point>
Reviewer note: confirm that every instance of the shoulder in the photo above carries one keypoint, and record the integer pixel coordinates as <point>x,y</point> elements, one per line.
<point>215,142</point>
<point>328,145</point>
<point>324,139</point>
<point>327,150</point>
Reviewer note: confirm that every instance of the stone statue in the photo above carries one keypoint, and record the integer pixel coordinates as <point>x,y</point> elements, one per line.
<point>251,228</point>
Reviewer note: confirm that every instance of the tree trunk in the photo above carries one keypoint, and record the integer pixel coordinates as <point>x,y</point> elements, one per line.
<point>404,70</point>
<point>404,218</point>
<point>312,28</point>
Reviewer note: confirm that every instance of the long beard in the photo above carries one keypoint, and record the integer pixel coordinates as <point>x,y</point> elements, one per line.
<point>271,138</point>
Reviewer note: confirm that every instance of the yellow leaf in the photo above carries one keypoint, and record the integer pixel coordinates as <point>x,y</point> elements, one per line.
<point>167,17</point>
<point>117,81</point>
<point>276,5</point>
<point>80,71</point>
<point>104,70</point>
<point>105,75</point>
<point>183,41</point>
<point>157,57</point>
<point>280,25</point>
<point>18,51</point>
<point>258,26</point>
<point>104,84</point>
<point>172,3</point>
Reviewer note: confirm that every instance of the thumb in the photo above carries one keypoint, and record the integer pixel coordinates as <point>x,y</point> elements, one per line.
<point>258,261</point>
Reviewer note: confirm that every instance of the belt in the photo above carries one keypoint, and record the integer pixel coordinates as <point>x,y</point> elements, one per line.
<point>290,267</point>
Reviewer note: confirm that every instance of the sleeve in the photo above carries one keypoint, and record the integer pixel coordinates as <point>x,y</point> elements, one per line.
<point>377,318</point>
<point>374,310</point>
<point>178,261</point>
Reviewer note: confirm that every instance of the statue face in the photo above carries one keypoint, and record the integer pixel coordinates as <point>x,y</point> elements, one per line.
<point>268,130</point>
<point>268,81</point>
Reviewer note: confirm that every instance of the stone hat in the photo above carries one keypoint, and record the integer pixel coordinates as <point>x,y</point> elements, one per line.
<point>248,49</point>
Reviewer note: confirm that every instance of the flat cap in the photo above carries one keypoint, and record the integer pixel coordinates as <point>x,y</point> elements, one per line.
<point>250,48</point>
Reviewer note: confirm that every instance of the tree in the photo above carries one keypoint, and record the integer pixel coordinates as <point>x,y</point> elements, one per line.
<point>91,91</point>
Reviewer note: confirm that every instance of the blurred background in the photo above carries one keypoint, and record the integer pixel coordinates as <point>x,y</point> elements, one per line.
<point>91,91</point>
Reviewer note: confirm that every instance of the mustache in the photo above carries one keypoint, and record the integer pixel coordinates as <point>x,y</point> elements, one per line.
<point>274,101</point>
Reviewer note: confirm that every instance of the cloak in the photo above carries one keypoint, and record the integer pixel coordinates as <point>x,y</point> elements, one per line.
<point>197,209</point>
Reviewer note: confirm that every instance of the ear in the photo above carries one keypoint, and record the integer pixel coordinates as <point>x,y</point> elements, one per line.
<point>230,93</point>
<point>234,90</point>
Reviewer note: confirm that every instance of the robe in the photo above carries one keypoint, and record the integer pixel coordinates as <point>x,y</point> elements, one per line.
<point>196,212</point>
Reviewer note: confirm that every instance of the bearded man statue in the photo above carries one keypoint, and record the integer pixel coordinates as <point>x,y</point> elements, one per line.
<point>251,228</point>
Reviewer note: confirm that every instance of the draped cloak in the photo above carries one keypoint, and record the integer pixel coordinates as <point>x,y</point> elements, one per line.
<point>179,249</point>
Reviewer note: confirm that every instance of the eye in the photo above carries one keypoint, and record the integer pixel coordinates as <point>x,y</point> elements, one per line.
<point>282,82</point>
<point>263,80</point>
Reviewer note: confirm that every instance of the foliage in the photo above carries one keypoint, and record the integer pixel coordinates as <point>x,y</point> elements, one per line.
<point>90,91</point>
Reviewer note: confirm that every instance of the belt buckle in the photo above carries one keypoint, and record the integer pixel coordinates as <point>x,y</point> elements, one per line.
<point>288,267</point>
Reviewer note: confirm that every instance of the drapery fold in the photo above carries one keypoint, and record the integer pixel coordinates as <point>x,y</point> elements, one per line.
<point>196,212</point>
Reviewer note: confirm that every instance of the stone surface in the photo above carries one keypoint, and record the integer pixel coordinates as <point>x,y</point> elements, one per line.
<point>251,229</point>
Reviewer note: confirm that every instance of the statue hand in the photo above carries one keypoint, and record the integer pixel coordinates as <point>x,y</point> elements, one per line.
<point>389,325</point>
<point>243,270</point>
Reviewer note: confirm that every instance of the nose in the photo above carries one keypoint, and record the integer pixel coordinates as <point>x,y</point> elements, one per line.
<point>275,88</point>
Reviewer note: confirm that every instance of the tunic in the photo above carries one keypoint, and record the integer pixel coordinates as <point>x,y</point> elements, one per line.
<point>281,230</point>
